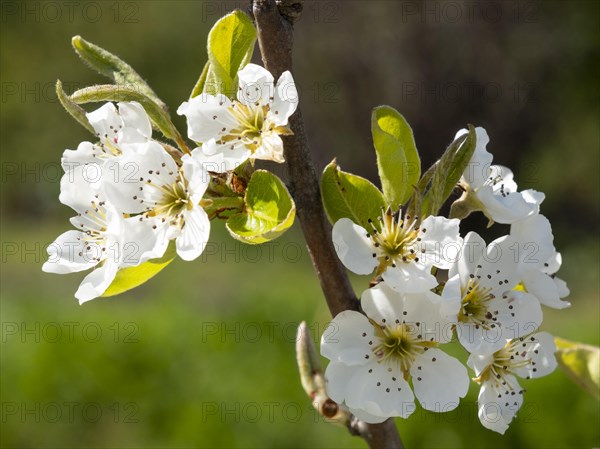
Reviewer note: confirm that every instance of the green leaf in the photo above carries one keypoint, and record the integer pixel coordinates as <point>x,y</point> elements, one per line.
<point>269,210</point>
<point>131,277</point>
<point>230,47</point>
<point>397,157</point>
<point>349,196</point>
<point>77,112</point>
<point>443,176</point>
<point>581,362</point>
<point>199,87</point>
<point>113,67</point>
<point>111,92</point>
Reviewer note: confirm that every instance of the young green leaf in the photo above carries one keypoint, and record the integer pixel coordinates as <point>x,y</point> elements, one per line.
<point>269,210</point>
<point>131,277</point>
<point>397,157</point>
<point>445,173</point>
<point>581,362</point>
<point>113,67</point>
<point>110,92</point>
<point>199,87</point>
<point>230,47</point>
<point>349,196</point>
<point>77,112</point>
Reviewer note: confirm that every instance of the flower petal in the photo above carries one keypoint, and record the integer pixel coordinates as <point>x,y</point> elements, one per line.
<point>411,277</point>
<point>220,158</point>
<point>69,254</point>
<point>256,85</point>
<point>441,241</point>
<point>498,404</point>
<point>96,283</point>
<point>540,349</point>
<point>347,337</point>
<point>545,288</point>
<point>194,235</point>
<point>353,247</point>
<point>136,123</point>
<point>285,100</point>
<point>478,168</point>
<point>439,380</point>
<point>207,115</point>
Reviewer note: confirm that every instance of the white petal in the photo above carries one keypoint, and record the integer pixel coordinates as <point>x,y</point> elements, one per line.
<point>256,85</point>
<point>441,241</point>
<point>439,380</point>
<point>561,287</point>
<point>194,235</point>
<point>502,179</point>
<point>347,337</point>
<point>136,124</point>
<point>506,209</point>
<point>478,168</point>
<point>96,283</point>
<point>271,149</point>
<point>68,254</point>
<point>220,158</point>
<point>142,240</point>
<point>411,277</point>
<point>376,389</point>
<point>106,121</point>
<point>386,306</point>
<point>80,186</point>
<point>498,405</point>
<point>207,115</point>
<point>540,349</point>
<point>523,318</point>
<point>85,153</point>
<point>535,239</point>
<point>451,298</point>
<point>480,362</point>
<point>473,249</point>
<point>367,417</point>
<point>286,100</point>
<point>196,176</point>
<point>353,247</point>
<point>545,289</point>
<point>133,180</point>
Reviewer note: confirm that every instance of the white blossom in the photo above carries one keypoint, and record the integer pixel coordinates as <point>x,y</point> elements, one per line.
<point>149,183</point>
<point>501,396</point>
<point>492,189</point>
<point>480,297</point>
<point>104,239</point>
<point>539,261</point>
<point>250,127</point>
<point>373,357</point>
<point>117,130</point>
<point>403,251</point>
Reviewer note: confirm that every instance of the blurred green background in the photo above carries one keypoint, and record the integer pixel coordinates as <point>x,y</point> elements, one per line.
<point>203,355</point>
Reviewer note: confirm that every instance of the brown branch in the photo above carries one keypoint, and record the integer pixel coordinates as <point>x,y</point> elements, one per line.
<point>275,38</point>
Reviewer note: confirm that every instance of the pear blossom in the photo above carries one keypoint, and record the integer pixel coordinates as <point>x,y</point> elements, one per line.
<point>480,297</point>
<point>540,261</point>
<point>492,189</point>
<point>250,127</point>
<point>501,396</point>
<point>149,183</point>
<point>104,239</point>
<point>402,250</point>
<point>373,357</point>
<point>117,129</point>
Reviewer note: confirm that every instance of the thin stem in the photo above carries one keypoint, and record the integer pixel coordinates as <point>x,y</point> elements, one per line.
<point>275,38</point>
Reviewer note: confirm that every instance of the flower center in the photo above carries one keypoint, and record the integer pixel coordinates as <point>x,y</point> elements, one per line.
<point>507,359</point>
<point>396,241</point>
<point>174,200</point>
<point>475,305</point>
<point>251,120</point>
<point>400,344</point>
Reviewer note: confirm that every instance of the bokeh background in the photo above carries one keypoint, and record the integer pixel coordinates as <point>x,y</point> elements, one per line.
<point>203,354</point>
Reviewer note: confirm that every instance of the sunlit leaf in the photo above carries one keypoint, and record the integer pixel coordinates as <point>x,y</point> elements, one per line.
<point>581,362</point>
<point>349,196</point>
<point>269,210</point>
<point>397,157</point>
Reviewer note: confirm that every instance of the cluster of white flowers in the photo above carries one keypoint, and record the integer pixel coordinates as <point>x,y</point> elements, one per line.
<point>132,197</point>
<point>490,302</point>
